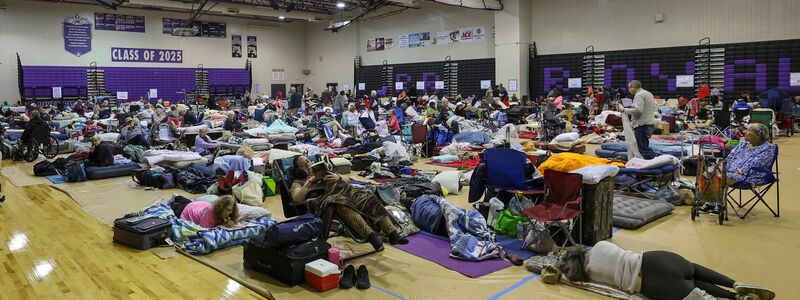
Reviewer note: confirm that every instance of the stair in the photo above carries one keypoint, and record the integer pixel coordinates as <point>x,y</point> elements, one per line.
<point>387,78</point>
<point>593,69</point>
<point>201,81</point>
<point>450,72</point>
<point>709,66</point>
<point>96,84</point>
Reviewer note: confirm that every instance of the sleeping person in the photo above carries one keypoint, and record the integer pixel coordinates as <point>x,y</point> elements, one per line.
<point>359,209</point>
<point>654,274</point>
<point>223,211</point>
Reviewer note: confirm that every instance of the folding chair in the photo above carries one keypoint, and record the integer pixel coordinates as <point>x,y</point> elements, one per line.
<point>562,202</point>
<point>508,169</point>
<point>770,178</point>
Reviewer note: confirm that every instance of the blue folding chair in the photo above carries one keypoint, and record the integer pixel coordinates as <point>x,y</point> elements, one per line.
<point>508,169</point>
<point>770,173</point>
<point>400,114</point>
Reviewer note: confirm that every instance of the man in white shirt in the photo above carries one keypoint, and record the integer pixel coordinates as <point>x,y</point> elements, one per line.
<point>643,117</point>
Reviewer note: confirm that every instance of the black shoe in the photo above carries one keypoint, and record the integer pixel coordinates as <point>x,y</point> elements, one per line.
<point>348,278</point>
<point>362,278</point>
<point>716,210</point>
<point>396,239</point>
<point>375,240</point>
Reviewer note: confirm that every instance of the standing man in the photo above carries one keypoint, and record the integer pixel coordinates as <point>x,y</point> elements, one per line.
<point>295,102</point>
<point>643,117</point>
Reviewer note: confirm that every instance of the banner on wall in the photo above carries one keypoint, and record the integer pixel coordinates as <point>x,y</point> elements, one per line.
<point>236,45</point>
<point>486,84</point>
<point>424,39</point>
<point>455,36</point>
<point>152,94</point>
<point>122,95</point>
<point>146,55</point>
<point>252,48</point>
<point>420,85</point>
<point>389,43</point>
<point>442,38</point>
<point>56,92</point>
<point>204,29</point>
<point>512,85</point>
<point>362,86</point>
<point>794,79</point>
<point>77,32</point>
<point>370,45</point>
<point>574,83</point>
<point>684,81</point>
<point>413,40</point>
<point>439,85</point>
<point>380,44</point>
<point>479,34</point>
<point>403,41</point>
<point>398,85</point>
<point>115,22</point>
<point>466,35</point>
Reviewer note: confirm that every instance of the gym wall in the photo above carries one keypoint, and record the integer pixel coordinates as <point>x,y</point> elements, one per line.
<point>468,77</point>
<point>34,30</point>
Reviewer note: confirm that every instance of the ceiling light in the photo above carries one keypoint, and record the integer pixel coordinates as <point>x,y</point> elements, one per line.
<point>340,4</point>
<point>281,17</point>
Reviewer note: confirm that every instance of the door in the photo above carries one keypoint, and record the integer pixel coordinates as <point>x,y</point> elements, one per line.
<point>278,91</point>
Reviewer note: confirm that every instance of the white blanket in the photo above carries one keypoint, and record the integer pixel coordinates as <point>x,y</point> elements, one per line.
<point>658,161</point>
<point>154,157</point>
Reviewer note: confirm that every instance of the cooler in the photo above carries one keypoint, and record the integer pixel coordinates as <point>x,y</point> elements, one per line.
<point>322,275</point>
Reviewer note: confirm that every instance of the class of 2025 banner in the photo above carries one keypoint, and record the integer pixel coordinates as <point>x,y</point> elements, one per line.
<point>146,55</point>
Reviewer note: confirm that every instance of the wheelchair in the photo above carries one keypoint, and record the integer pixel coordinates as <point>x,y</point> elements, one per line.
<point>30,150</point>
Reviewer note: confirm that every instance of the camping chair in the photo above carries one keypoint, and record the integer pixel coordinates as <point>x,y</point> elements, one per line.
<point>281,171</point>
<point>562,202</point>
<point>508,170</point>
<point>771,178</point>
<point>163,137</point>
<point>639,181</point>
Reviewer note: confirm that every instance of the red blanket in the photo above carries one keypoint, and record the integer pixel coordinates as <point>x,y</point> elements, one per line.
<point>471,164</point>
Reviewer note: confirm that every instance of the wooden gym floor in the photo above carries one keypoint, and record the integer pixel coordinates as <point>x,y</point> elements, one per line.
<point>50,248</point>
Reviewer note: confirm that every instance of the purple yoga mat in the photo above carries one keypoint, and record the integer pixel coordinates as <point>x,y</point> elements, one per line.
<point>438,251</point>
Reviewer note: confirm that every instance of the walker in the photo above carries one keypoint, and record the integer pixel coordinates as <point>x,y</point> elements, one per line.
<point>711,186</point>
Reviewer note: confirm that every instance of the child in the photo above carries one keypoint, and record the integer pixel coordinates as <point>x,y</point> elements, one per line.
<point>223,212</point>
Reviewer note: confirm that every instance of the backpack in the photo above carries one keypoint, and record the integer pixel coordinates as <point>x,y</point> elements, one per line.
<point>293,231</point>
<point>74,172</point>
<point>149,178</point>
<point>402,220</point>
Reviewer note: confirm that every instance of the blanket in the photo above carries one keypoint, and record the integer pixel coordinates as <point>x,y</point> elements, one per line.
<point>470,237</point>
<point>567,162</point>
<point>658,161</point>
<point>198,240</point>
<point>615,293</point>
<point>154,157</point>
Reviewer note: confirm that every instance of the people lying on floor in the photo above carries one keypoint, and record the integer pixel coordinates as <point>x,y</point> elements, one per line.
<point>133,133</point>
<point>204,144</point>
<point>359,209</point>
<point>101,155</point>
<point>232,124</point>
<point>654,274</point>
<point>223,212</point>
<point>37,129</point>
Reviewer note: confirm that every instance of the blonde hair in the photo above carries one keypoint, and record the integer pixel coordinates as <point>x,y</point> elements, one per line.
<point>226,212</point>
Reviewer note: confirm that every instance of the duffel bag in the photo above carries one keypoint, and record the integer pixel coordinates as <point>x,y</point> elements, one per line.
<point>293,231</point>
<point>362,163</point>
<point>150,178</point>
<point>44,168</point>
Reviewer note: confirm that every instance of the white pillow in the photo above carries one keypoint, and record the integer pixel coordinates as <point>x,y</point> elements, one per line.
<point>567,137</point>
<point>595,173</point>
<point>449,180</point>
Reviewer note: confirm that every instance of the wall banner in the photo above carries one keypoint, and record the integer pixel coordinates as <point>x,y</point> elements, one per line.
<point>77,33</point>
<point>236,45</point>
<point>252,48</point>
<point>146,55</point>
<point>114,22</point>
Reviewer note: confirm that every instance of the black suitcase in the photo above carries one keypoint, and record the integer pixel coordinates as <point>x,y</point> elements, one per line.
<point>285,265</point>
<point>143,232</point>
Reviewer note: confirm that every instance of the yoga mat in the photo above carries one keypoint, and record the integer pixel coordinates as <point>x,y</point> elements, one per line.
<point>56,179</point>
<point>514,246</point>
<point>437,250</point>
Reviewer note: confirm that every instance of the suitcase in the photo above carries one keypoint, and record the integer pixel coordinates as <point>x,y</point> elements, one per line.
<point>597,206</point>
<point>142,232</point>
<point>285,265</point>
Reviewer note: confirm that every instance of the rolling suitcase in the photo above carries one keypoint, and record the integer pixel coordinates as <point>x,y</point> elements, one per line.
<point>142,232</point>
<point>285,265</point>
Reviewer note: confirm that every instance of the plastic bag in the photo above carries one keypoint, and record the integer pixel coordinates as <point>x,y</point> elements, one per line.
<point>506,223</point>
<point>251,192</point>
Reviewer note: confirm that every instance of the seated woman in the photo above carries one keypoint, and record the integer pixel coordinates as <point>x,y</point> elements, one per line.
<point>393,123</point>
<point>101,155</point>
<point>223,211</point>
<point>133,134</point>
<point>754,152</point>
<point>654,274</point>
<point>204,144</point>
<point>355,207</point>
<point>329,120</point>
<point>231,124</point>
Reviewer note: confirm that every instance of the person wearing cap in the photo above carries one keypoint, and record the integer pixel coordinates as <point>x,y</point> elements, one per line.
<point>133,134</point>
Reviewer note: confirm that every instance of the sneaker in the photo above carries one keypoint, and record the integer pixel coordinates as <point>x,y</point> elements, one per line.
<point>716,210</point>
<point>706,207</point>
<point>744,290</point>
<point>375,240</point>
<point>362,278</point>
<point>348,278</point>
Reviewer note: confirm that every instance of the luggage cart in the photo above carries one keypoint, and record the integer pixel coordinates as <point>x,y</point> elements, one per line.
<point>711,187</point>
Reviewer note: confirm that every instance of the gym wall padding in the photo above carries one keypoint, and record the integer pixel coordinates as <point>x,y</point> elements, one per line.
<point>754,67</point>
<point>470,74</point>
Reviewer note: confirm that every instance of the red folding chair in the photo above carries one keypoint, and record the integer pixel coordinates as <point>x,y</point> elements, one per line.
<point>562,202</point>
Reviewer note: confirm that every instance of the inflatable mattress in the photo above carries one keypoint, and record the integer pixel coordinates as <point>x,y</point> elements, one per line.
<point>94,173</point>
<point>633,212</point>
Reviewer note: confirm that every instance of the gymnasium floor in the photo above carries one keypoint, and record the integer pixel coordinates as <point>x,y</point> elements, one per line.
<point>52,248</point>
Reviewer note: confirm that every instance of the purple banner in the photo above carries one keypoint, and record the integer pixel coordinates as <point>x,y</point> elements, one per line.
<point>146,55</point>
<point>204,29</point>
<point>114,22</point>
<point>77,33</point>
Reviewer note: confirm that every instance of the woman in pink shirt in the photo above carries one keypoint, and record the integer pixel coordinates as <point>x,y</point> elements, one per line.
<point>559,101</point>
<point>222,212</point>
<point>394,125</point>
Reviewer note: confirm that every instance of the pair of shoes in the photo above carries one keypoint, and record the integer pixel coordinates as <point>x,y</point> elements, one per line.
<point>375,240</point>
<point>352,277</point>
<point>706,207</point>
<point>396,239</point>
<point>754,292</point>
<point>716,210</point>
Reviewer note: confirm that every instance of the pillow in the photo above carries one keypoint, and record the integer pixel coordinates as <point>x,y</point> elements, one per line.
<point>450,180</point>
<point>596,173</point>
<point>339,162</point>
<point>567,137</point>
<point>249,212</point>
<point>207,198</point>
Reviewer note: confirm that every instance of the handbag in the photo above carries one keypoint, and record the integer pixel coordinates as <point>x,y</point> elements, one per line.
<point>506,223</point>
<point>535,237</point>
<point>269,186</point>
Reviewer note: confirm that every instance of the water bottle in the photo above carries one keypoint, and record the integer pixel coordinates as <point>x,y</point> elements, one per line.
<point>334,256</point>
